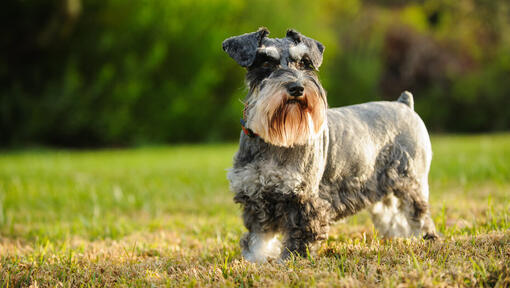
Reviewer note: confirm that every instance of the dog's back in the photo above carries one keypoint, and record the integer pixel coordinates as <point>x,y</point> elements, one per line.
<point>385,150</point>
<point>359,132</point>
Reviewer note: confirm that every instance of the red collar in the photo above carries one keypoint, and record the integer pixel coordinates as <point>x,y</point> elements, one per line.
<point>247,130</point>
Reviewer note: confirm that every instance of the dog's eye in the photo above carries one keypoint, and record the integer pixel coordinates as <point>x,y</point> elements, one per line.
<point>267,64</point>
<point>306,64</point>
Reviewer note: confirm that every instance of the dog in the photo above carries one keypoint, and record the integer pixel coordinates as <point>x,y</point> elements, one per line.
<point>301,166</point>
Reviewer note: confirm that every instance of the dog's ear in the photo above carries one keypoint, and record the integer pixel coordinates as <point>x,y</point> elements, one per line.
<point>243,48</point>
<point>316,49</point>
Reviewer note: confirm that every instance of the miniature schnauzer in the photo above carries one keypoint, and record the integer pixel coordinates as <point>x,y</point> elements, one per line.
<point>301,166</point>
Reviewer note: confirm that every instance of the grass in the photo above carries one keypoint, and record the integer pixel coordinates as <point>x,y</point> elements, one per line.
<point>164,217</point>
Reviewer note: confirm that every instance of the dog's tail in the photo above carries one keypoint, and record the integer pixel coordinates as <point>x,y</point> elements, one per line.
<point>407,98</point>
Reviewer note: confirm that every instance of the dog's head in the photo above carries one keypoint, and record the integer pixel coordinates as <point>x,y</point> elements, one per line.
<point>286,105</point>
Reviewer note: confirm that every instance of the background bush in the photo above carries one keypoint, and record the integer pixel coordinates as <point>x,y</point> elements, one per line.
<point>117,72</point>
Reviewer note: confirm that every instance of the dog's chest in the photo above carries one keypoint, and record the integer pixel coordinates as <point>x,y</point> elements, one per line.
<point>264,170</point>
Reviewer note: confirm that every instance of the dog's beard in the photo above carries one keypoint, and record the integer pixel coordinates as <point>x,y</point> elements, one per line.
<point>283,120</point>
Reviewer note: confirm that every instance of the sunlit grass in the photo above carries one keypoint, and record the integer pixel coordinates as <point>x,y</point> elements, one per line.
<point>164,215</point>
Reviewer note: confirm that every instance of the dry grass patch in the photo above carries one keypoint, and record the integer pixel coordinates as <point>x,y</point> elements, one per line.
<point>170,260</point>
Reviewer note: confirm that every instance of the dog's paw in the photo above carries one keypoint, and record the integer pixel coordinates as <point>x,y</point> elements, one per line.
<point>431,236</point>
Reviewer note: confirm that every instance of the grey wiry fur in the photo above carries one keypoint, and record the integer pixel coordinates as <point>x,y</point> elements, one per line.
<point>243,48</point>
<point>375,155</point>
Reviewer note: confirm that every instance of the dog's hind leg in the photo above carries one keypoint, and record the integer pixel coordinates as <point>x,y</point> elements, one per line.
<point>427,227</point>
<point>414,206</point>
<point>389,221</point>
<point>404,211</point>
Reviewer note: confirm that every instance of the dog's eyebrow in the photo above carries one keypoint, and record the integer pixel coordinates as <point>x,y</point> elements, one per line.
<point>298,51</point>
<point>270,52</point>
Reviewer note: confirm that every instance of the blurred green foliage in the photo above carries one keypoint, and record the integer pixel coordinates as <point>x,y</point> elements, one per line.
<point>114,72</point>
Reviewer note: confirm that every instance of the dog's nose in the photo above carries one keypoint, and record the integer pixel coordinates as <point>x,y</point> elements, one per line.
<point>295,89</point>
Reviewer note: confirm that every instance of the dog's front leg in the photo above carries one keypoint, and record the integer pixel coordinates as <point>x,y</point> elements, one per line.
<point>260,243</point>
<point>258,247</point>
<point>307,221</point>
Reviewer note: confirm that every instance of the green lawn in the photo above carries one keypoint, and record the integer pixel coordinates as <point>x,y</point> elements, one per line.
<point>164,216</point>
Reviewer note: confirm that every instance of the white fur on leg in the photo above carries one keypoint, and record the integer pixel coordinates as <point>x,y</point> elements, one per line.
<point>390,219</point>
<point>262,246</point>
